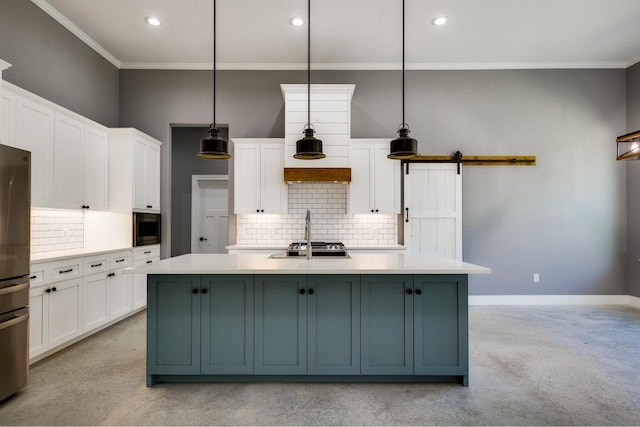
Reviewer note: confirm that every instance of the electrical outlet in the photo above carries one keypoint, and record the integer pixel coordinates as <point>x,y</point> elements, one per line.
<point>536,278</point>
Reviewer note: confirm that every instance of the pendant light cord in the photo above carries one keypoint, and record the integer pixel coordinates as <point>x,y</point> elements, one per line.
<point>215,26</point>
<point>309,63</point>
<point>403,122</point>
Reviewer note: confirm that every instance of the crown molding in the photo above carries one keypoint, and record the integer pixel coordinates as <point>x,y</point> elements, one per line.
<point>62,20</point>
<point>372,67</point>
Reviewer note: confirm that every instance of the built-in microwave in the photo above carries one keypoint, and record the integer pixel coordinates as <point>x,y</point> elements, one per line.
<point>146,229</point>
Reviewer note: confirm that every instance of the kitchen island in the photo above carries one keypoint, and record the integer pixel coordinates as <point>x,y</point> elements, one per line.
<point>370,317</point>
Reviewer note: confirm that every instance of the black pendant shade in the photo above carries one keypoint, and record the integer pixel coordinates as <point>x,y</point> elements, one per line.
<point>403,147</point>
<point>309,147</point>
<point>214,147</point>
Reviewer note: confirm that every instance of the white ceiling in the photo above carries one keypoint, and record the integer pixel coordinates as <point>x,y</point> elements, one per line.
<point>358,34</point>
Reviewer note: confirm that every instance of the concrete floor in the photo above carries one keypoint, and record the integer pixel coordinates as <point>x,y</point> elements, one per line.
<point>542,365</point>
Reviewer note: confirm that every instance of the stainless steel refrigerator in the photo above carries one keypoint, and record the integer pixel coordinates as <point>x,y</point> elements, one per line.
<point>15,225</point>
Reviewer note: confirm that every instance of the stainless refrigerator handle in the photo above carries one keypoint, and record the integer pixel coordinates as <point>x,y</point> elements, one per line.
<point>13,322</point>
<point>14,288</point>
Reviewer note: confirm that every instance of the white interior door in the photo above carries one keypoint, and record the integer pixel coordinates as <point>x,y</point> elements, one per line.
<point>433,208</point>
<point>210,214</point>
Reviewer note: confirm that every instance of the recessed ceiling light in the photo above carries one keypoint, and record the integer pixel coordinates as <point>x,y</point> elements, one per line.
<point>296,22</point>
<point>152,20</point>
<point>439,21</point>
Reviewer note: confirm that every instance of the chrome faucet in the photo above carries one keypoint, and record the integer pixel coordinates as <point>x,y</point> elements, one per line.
<point>307,233</point>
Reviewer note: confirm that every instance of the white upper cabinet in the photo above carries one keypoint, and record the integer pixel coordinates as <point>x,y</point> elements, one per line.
<point>134,171</point>
<point>68,162</point>
<point>146,166</point>
<point>330,117</point>
<point>258,176</point>
<point>68,152</point>
<point>80,164</point>
<point>375,179</point>
<point>96,168</point>
<point>34,127</point>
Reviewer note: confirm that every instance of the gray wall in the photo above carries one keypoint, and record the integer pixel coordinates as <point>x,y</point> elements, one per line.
<point>564,218</point>
<point>51,62</point>
<point>633,179</point>
<point>184,163</point>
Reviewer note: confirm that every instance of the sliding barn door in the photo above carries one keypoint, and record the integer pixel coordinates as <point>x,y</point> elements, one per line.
<point>433,197</point>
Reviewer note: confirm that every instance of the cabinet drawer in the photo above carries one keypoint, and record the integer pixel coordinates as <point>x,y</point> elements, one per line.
<point>146,252</point>
<point>146,261</point>
<point>120,260</point>
<point>95,265</point>
<point>36,276</point>
<point>72,268</point>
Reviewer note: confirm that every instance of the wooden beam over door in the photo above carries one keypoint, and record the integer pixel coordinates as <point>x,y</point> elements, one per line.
<point>478,160</point>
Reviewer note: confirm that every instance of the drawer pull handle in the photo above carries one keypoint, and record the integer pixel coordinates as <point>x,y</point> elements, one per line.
<point>66,271</point>
<point>147,252</point>
<point>149,206</point>
<point>96,265</point>
<point>111,275</point>
<point>120,260</point>
<point>32,277</point>
<point>149,262</point>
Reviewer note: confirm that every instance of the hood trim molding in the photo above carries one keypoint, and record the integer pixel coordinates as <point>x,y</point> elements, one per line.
<point>317,174</point>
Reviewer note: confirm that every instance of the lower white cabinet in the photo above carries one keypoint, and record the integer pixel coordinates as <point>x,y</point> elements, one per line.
<point>55,315</point>
<point>143,255</point>
<point>120,294</point>
<point>74,297</point>
<point>95,301</point>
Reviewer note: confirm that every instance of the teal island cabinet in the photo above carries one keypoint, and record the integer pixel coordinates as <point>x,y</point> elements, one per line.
<point>234,319</point>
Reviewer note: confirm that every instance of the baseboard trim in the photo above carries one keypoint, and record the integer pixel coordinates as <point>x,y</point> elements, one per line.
<point>633,301</point>
<point>554,300</point>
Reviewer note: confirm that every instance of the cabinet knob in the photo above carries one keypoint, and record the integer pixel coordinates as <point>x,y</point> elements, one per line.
<point>409,291</point>
<point>418,291</point>
<point>302,291</point>
<point>371,210</point>
<point>48,290</point>
<point>258,210</point>
<point>310,291</point>
<point>194,291</point>
<point>377,210</point>
<point>204,290</point>
<point>53,289</point>
<point>261,210</point>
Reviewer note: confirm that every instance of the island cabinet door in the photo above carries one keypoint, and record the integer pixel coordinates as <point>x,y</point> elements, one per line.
<point>173,324</point>
<point>227,324</point>
<point>333,303</point>
<point>440,325</point>
<point>281,324</point>
<point>387,324</point>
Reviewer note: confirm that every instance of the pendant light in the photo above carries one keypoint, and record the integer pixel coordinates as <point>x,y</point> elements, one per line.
<point>403,147</point>
<point>309,147</point>
<point>213,146</point>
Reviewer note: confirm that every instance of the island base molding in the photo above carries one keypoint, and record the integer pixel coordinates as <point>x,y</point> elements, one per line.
<point>158,379</point>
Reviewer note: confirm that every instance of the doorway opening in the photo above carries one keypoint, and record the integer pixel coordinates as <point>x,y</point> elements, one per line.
<point>185,145</point>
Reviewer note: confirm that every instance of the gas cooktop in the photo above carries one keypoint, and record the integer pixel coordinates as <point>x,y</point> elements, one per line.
<point>317,249</point>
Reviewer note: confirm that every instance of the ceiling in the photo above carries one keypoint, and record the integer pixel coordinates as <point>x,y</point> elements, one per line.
<point>357,34</point>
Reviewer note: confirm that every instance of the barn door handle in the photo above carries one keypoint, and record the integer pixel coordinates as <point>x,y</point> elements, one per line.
<point>407,218</point>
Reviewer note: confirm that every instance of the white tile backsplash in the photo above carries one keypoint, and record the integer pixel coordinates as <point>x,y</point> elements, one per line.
<point>56,230</point>
<point>329,219</point>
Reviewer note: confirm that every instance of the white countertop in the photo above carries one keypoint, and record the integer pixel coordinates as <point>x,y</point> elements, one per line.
<point>357,264</point>
<point>72,253</point>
